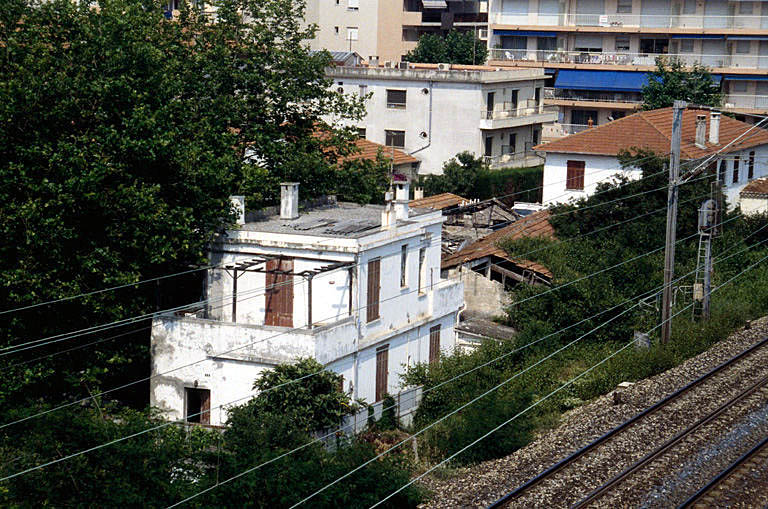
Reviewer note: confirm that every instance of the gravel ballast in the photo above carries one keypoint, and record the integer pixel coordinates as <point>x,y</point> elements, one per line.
<point>482,484</point>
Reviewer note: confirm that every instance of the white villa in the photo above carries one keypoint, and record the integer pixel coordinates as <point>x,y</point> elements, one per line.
<point>358,288</point>
<point>576,164</point>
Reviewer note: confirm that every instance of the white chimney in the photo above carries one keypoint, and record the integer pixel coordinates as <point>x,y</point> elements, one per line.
<point>238,203</point>
<point>701,131</point>
<point>714,127</point>
<point>402,193</point>
<point>388,218</point>
<point>418,193</point>
<point>289,200</point>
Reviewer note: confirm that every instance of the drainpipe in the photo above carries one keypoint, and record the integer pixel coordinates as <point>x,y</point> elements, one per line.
<point>429,125</point>
<point>359,334</point>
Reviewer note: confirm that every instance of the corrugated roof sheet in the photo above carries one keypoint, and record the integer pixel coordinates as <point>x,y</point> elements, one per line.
<point>653,130</point>
<point>535,225</point>
<point>438,201</point>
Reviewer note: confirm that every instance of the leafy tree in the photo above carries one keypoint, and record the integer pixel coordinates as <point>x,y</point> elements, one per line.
<point>672,81</point>
<point>364,181</point>
<point>460,175</point>
<point>122,136</point>
<point>454,48</point>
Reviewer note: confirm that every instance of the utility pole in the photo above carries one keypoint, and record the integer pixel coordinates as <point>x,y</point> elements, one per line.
<point>669,250</point>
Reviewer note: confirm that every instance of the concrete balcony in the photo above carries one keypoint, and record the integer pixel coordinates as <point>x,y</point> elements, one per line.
<point>627,59</point>
<point>639,21</point>
<point>507,116</point>
<point>750,103</point>
<point>582,98</point>
<point>556,131</point>
<point>524,159</point>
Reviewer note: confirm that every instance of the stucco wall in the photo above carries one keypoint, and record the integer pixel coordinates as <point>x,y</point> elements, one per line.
<point>597,169</point>
<point>482,296</point>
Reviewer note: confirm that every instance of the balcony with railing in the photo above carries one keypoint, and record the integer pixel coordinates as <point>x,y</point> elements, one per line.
<point>746,22</point>
<point>627,59</point>
<point>506,115</point>
<point>509,159</point>
<point>745,102</point>
<point>555,131</point>
<point>620,98</point>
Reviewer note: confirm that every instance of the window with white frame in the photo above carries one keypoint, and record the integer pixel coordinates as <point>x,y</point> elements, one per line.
<point>353,5</point>
<point>622,43</point>
<point>351,33</point>
<point>624,7</point>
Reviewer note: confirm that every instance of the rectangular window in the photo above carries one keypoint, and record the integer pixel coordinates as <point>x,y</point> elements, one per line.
<point>353,5</point>
<point>622,44</point>
<point>396,99</point>
<point>742,47</point>
<point>382,365</point>
<point>751,166</point>
<point>488,146</point>
<point>336,30</point>
<point>394,138</point>
<point>351,33</point>
<point>624,7</point>
<point>361,133</point>
<point>735,169</point>
<point>422,270</point>
<point>434,344</point>
<point>738,86</point>
<point>658,46</point>
<point>362,90</point>
<point>403,266</point>
<point>686,46</point>
<point>746,7</point>
<point>617,114</point>
<point>198,405</point>
<point>689,7</point>
<point>575,175</point>
<point>374,289</point>
<point>721,172</point>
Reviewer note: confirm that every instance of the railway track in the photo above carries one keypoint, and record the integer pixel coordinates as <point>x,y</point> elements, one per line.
<point>559,473</point>
<point>716,492</point>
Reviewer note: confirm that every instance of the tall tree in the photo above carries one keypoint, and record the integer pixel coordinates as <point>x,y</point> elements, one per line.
<point>672,81</point>
<point>454,48</point>
<point>123,133</point>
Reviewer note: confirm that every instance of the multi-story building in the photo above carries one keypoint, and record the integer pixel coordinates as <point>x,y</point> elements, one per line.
<point>435,111</point>
<point>357,288</point>
<point>599,51</point>
<point>385,30</point>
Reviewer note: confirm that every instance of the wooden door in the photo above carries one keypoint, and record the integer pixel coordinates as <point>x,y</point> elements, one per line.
<point>434,344</point>
<point>382,363</point>
<point>279,293</point>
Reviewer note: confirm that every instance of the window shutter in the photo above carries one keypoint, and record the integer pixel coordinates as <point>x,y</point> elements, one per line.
<point>382,362</point>
<point>374,287</point>
<point>434,344</point>
<point>575,175</point>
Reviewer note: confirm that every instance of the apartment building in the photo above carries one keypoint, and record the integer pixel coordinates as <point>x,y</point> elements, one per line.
<point>385,30</point>
<point>598,52</point>
<point>435,111</point>
<point>358,288</point>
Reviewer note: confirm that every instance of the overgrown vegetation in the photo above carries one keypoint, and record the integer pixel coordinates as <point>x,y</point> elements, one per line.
<point>672,80</point>
<point>470,177</point>
<point>571,257</point>
<point>453,48</point>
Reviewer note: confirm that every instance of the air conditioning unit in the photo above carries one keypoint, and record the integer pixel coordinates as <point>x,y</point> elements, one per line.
<point>443,67</point>
<point>403,66</point>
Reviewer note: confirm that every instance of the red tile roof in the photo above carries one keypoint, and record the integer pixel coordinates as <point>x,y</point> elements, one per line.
<point>757,187</point>
<point>535,225</point>
<point>438,201</point>
<point>652,130</point>
<point>369,149</point>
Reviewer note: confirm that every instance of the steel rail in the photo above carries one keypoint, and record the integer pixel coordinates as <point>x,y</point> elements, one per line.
<point>560,465</point>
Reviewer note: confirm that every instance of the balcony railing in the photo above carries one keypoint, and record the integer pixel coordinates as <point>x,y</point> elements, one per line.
<point>507,159</point>
<point>524,109</point>
<point>753,102</point>
<point>614,58</point>
<point>576,95</point>
<point>633,20</point>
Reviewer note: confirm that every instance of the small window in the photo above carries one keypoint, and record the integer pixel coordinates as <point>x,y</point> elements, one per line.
<point>434,344</point>
<point>721,171</point>
<point>689,7</point>
<point>745,7</point>
<point>198,405</point>
<point>575,176</point>
<point>624,7</point>
<point>736,169</point>
<point>336,30</point>
<point>362,90</point>
<point>396,99</point>
<point>686,46</point>
<point>488,146</point>
<point>743,47</point>
<point>751,166</point>
<point>622,44</point>
<point>422,270</point>
<point>403,266</point>
<point>536,139</point>
<point>361,133</point>
<point>351,33</point>
<point>353,5</point>
<point>394,138</point>
<point>738,86</point>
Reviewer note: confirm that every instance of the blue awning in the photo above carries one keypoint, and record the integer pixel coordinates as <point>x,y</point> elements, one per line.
<point>530,33</point>
<point>746,77</point>
<point>748,37</point>
<point>697,36</point>
<point>616,81</point>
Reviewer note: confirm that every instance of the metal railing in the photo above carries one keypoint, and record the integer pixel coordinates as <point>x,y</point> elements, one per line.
<point>557,130</point>
<point>632,20</point>
<point>578,95</point>
<point>756,102</point>
<point>507,159</point>
<point>514,111</point>
<point>621,58</point>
